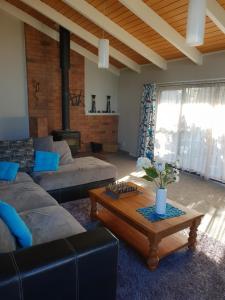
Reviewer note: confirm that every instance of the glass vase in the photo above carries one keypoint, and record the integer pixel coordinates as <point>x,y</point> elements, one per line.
<point>160,201</point>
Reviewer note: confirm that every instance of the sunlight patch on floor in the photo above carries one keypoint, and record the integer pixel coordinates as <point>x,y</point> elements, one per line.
<point>214,225</point>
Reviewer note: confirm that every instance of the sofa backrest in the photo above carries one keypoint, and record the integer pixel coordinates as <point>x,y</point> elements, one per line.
<point>20,151</point>
<point>64,151</point>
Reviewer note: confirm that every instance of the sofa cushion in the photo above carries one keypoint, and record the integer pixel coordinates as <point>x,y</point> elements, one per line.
<point>20,151</point>
<point>43,143</point>
<point>7,241</point>
<point>82,170</point>
<point>15,224</point>
<point>64,151</point>
<point>26,196</point>
<point>51,223</point>
<point>21,177</point>
<point>8,170</point>
<point>46,224</point>
<point>46,161</point>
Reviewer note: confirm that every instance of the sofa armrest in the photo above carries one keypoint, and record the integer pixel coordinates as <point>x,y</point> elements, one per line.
<point>80,267</point>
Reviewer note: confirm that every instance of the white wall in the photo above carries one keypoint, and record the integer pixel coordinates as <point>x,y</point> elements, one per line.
<point>101,83</point>
<point>13,90</point>
<point>131,85</point>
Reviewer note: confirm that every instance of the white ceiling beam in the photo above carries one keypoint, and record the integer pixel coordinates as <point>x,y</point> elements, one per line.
<point>152,19</point>
<point>60,19</point>
<point>26,18</point>
<point>216,13</point>
<point>115,30</point>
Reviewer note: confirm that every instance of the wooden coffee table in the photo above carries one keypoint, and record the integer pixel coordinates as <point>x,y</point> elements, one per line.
<point>152,240</point>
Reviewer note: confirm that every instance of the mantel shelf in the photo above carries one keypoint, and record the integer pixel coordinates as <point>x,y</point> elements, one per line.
<point>101,114</point>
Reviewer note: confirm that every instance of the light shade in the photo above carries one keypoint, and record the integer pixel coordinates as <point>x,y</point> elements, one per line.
<point>103,54</point>
<point>196,22</point>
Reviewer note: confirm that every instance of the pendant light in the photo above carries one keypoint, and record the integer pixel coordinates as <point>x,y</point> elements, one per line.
<point>196,22</point>
<point>103,50</point>
<point>103,54</point>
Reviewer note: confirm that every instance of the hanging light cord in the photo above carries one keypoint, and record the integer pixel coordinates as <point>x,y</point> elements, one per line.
<point>104,11</point>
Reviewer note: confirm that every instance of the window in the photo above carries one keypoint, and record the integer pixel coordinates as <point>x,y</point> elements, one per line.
<point>191,127</point>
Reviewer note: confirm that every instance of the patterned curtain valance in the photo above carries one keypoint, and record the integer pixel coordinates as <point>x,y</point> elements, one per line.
<point>147,121</point>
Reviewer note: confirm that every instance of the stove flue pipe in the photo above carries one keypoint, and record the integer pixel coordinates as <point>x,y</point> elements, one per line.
<point>64,45</point>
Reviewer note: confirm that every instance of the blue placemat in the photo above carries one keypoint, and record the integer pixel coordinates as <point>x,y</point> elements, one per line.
<point>150,214</point>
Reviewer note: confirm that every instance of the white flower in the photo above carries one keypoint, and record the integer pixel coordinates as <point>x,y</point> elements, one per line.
<point>177,178</point>
<point>176,171</point>
<point>177,163</point>
<point>160,166</point>
<point>143,162</point>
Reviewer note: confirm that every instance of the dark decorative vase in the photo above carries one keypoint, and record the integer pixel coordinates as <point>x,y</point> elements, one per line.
<point>108,105</point>
<point>93,104</point>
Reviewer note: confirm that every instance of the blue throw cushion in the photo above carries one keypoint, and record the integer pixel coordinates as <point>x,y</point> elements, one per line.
<point>8,170</point>
<point>15,224</point>
<point>46,161</point>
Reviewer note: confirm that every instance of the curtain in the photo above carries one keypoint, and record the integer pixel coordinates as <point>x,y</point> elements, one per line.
<point>190,127</point>
<point>167,125</point>
<point>147,121</point>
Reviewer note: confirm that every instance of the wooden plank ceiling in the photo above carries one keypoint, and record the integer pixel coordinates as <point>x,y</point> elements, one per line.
<point>172,11</point>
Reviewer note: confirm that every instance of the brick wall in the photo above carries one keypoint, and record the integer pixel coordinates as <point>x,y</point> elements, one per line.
<point>43,75</point>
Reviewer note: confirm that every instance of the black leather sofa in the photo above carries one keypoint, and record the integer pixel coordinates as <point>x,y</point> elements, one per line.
<point>80,267</point>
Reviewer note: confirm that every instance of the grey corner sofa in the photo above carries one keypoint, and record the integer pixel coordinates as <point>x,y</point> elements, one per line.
<point>75,175</point>
<point>65,261</point>
<point>72,181</point>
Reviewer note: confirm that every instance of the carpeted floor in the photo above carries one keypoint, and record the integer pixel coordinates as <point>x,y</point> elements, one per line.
<point>207,197</point>
<point>183,275</point>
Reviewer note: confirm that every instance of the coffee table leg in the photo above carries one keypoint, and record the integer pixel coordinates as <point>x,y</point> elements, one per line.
<point>192,240</point>
<point>153,258</point>
<point>93,209</point>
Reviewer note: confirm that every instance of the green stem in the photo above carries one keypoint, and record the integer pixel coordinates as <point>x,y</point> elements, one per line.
<point>160,178</point>
<point>156,183</point>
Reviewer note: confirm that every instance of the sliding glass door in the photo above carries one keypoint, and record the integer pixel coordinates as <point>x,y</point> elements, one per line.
<point>191,127</point>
